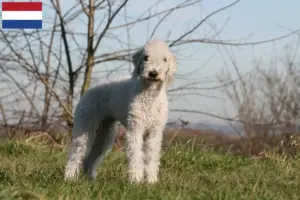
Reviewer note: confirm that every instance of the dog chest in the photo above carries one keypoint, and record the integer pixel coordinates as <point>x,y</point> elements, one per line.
<point>150,112</point>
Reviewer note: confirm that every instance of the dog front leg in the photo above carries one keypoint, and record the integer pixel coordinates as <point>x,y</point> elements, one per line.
<point>134,144</point>
<point>152,154</point>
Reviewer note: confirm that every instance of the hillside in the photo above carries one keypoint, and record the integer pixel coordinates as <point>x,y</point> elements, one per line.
<point>31,171</point>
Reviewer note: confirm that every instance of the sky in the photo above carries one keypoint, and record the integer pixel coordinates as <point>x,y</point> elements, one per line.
<point>247,21</point>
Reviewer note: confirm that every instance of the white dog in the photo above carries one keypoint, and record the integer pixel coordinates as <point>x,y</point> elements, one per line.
<point>140,103</point>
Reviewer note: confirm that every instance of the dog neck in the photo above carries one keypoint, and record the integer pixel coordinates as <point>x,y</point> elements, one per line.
<point>154,89</point>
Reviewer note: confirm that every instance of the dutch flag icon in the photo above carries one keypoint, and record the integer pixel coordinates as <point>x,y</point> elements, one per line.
<point>22,15</point>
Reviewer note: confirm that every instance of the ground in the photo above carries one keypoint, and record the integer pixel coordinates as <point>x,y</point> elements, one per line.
<point>31,171</point>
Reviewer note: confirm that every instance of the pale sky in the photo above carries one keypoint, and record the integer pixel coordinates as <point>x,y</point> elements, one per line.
<point>248,21</point>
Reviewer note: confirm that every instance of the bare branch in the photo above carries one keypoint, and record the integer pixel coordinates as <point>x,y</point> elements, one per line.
<point>202,21</point>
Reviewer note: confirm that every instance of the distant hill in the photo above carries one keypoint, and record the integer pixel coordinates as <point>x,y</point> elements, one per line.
<point>222,128</point>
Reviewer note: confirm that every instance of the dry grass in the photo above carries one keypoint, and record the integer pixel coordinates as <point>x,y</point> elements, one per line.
<point>286,144</point>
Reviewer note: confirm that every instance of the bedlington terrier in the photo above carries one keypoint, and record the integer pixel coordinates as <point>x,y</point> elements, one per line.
<point>140,103</point>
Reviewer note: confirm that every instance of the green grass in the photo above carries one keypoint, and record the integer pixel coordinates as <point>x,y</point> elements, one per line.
<point>36,172</point>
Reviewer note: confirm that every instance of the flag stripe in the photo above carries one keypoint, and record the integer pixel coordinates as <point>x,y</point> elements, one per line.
<point>22,24</point>
<point>22,6</point>
<point>22,15</point>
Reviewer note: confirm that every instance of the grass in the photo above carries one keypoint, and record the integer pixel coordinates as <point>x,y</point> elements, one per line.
<point>36,172</point>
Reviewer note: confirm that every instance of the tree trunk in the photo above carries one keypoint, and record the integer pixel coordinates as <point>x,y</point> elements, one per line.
<point>90,50</point>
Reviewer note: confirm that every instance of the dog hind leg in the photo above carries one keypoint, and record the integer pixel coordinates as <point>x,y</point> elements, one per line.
<point>78,149</point>
<point>104,140</point>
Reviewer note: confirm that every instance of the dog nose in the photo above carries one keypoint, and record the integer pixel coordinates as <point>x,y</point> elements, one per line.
<point>153,74</point>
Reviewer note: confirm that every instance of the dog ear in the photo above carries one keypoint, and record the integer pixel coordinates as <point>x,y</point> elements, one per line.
<point>172,68</point>
<point>137,62</point>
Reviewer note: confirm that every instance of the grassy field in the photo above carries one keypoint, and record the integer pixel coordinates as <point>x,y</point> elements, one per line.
<point>30,171</point>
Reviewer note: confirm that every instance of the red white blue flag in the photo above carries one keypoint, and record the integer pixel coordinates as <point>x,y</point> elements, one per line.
<point>22,15</point>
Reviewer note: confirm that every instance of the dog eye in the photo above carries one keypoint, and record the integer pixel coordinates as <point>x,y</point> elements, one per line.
<point>145,58</point>
<point>165,59</point>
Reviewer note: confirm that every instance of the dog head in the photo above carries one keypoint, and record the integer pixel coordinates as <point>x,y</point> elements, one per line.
<point>155,63</point>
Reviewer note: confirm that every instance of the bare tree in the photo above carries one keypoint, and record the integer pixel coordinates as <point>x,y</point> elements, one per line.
<point>267,99</point>
<point>50,69</point>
